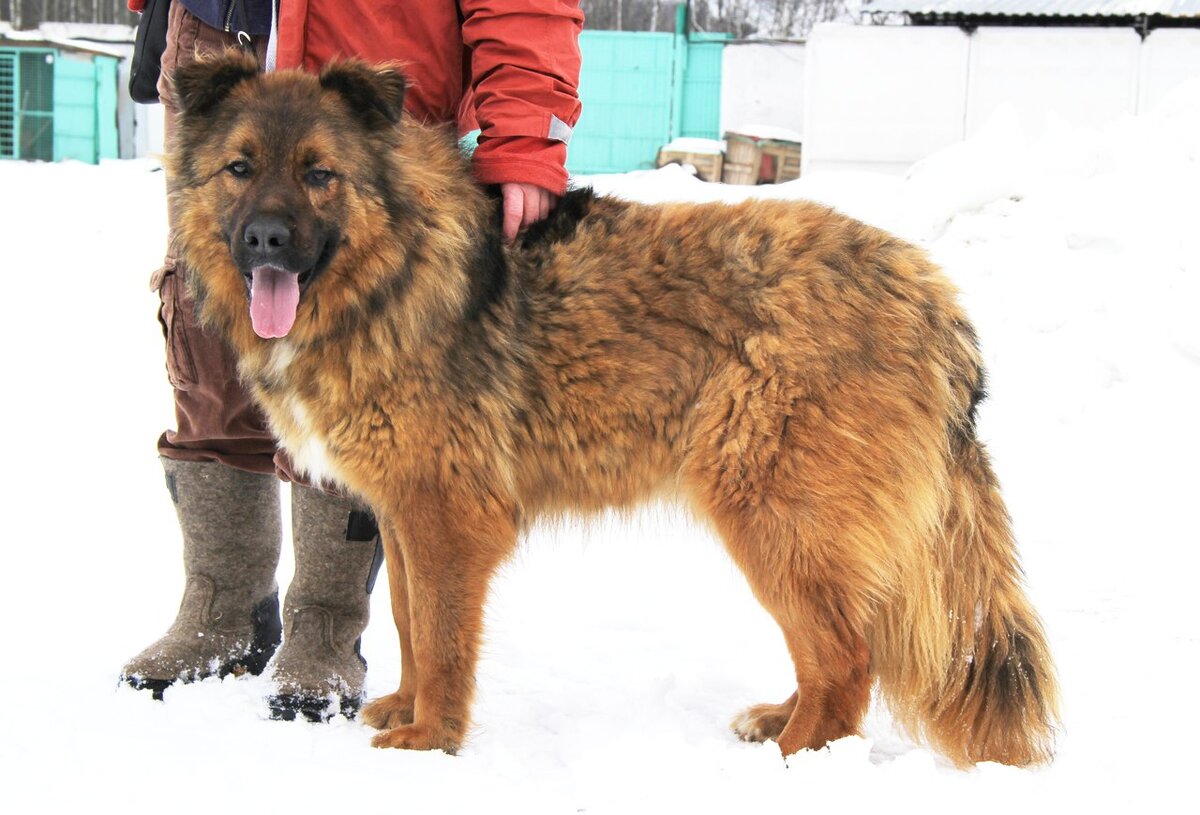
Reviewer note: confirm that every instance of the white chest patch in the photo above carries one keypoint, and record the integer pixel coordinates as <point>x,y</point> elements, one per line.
<point>282,354</point>
<point>308,449</point>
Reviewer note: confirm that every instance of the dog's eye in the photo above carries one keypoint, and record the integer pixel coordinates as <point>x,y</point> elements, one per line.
<point>238,169</point>
<point>318,177</point>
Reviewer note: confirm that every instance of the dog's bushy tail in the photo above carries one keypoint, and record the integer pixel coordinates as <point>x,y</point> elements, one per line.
<point>982,686</point>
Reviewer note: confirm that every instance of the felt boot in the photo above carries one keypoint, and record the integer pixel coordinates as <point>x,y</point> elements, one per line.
<point>320,671</point>
<point>228,621</point>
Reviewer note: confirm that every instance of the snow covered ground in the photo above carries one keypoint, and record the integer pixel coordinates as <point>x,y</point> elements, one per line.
<point>617,653</point>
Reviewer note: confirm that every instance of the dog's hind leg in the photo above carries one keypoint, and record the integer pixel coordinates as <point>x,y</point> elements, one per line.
<point>826,643</point>
<point>396,708</point>
<point>795,495</point>
<point>450,544</point>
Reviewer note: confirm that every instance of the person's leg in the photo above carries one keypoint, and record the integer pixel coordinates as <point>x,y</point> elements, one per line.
<point>320,670</point>
<point>219,468</point>
<point>228,620</point>
<point>223,446</point>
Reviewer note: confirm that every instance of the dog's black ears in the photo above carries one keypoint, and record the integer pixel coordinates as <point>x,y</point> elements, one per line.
<point>199,86</point>
<point>376,95</point>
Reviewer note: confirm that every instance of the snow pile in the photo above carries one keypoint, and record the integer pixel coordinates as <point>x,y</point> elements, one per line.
<point>617,654</point>
<point>767,132</point>
<point>708,147</point>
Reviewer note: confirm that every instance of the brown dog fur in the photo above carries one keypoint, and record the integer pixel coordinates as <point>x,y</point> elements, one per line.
<point>805,382</point>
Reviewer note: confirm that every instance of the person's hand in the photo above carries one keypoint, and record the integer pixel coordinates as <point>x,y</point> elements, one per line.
<point>524,205</point>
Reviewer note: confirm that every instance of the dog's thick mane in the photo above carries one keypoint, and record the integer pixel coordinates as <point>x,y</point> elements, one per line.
<point>560,226</point>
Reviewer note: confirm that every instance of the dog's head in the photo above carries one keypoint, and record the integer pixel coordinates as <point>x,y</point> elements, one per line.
<point>280,177</point>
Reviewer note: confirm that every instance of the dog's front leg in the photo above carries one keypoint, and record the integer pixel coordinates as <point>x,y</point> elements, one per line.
<point>397,708</point>
<point>451,543</point>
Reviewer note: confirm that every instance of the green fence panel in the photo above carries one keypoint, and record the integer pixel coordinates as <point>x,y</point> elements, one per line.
<point>75,109</point>
<point>56,105</point>
<point>625,87</point>
<point>640,90</point>
<point>9,135</point>
<point>27,104</point>
<point>701,117</point>
<point>35,105</point>
<point>108,139</point>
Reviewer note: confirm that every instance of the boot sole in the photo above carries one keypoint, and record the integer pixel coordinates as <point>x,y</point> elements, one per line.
<point>316,709</point>
<point>252,664</point>
<point>157,687</point>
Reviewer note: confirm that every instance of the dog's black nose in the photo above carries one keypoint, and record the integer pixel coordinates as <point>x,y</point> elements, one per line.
<point>267,235</point>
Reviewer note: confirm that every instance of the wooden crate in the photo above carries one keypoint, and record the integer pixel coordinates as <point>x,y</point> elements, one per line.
<point>742,160</point>
<point>708,165</point>
<point>787,160</point>
<point>751,160</point>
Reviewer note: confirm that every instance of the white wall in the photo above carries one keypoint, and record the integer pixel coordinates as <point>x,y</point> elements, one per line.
<point>883,97</point>
<point>763,84</point>
<point>1084,76</point>
<point>1169,56</point>
<point>148,130</point>
<point>141,126</point>
<point>879,96</point>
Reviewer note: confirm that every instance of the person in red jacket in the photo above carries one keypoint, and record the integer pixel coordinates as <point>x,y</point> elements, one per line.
<point>509,68</point>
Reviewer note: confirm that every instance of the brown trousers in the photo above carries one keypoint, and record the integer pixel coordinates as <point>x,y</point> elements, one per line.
<point>215,417</point>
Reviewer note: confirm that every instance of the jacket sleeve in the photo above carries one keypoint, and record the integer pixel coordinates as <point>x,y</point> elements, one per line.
<point>136,5</point>
<point>525,87</point>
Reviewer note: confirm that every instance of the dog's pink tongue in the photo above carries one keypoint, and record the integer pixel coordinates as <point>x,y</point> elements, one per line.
<point>274,296</point>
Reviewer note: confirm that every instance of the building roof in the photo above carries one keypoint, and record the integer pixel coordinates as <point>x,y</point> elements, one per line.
<point>35,39</point>
<point>1040,8</point>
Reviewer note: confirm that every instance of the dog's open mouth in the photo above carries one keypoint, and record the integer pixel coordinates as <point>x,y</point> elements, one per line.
<point>274,298</point>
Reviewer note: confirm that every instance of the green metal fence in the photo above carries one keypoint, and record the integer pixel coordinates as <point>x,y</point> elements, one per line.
<point>626,86</point>
<point>37,104</point>
<point>701,112</point>
<point>8,105</point>
<point>55,105</point>
<point>639,91</point>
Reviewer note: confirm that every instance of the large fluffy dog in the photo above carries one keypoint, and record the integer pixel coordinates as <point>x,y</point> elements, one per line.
<point>803,381</point>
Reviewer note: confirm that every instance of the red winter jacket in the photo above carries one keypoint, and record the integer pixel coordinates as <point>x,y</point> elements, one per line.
<point>510,67</point>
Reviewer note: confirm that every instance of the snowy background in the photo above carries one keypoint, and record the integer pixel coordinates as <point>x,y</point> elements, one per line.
<point>618,652</point>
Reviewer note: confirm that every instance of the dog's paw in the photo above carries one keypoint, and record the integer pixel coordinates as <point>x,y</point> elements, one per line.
<point>415,737</point>
<point>762,722</point>
<point>389,711</point>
